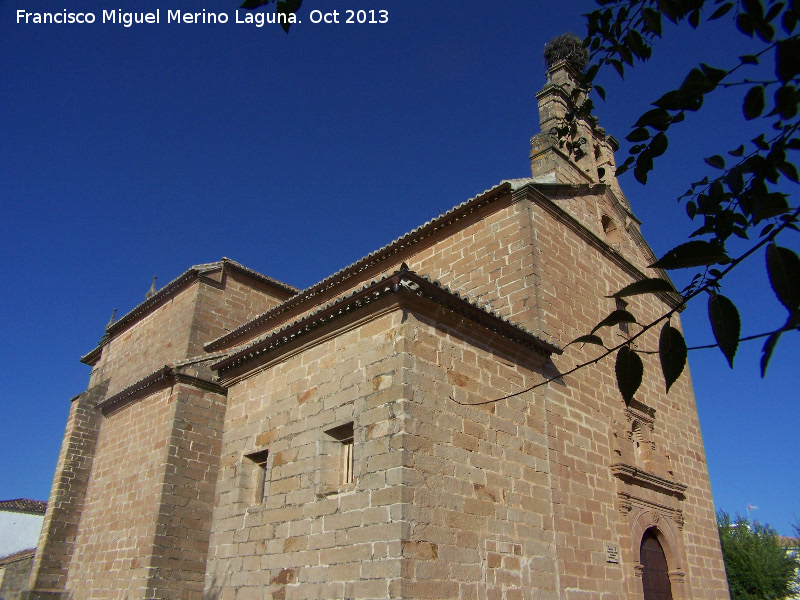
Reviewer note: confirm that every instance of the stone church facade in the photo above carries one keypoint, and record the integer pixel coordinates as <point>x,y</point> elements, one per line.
<point>406,428</point>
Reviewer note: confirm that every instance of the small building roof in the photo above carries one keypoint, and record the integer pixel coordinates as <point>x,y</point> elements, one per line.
<point>17,556</point>
<point>24,505</point>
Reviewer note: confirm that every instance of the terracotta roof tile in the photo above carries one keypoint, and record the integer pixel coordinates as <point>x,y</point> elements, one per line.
<point>21,555</point>
<point>404,279</point>
<point>24,505</point>
<point>427,228</point>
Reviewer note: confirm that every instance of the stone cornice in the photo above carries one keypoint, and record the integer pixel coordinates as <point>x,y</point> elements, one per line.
<point>634,475</point>
<point>161,378</point>
<point>403,283</point>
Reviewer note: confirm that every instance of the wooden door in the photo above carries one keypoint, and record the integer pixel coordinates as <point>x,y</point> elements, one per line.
<point>655,573</point>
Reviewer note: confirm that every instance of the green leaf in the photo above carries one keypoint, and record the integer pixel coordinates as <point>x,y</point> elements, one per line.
<point>738,152</point>
<point>600,92</point>
<point>651,285</point>
<point>659,144</point>
<point>588,339</point>
<point>715,161</point>
<point>774,10</point>
<point>760,142</point>
<point>789,170</point>
<point>624,166</point>
<point>638,135</point>
<point>786,102</point>
<point>769,206</point>
<point>668,8</point>
<point>253,4</point>
<point>714,74</point>
<point>745,24</point>
<point>754,8</point>
<point>287,7</point>
<point>637,45</point>
<point>789,21</point>
<point>657,118</point>
<point>721,11</point>
<point>697,83</point>
<point>766,351</point>
<point>735,180</point>
<point>644,164</point>
<point>652,19</point>
<point>783,268</point>
<point>615,318</point>
<point>749,59</point>
<point>697,253</point>
<point>787,59</point>
<point>672,354</point>
<point>725,323</point>
<point>753,103</point>
<point>672,100</point>
<point>629,370</point>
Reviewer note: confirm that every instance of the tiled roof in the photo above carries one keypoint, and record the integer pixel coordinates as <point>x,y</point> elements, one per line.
<point>24,505</point>
<point>454,214</point>
<point>402,280</point>
<point>21,555</point>
<point>183,279</point>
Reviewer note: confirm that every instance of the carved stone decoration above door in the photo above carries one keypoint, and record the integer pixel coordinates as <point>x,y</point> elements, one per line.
<point>636,459</point>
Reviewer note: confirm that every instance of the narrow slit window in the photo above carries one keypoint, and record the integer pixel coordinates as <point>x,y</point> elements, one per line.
<point>347,461</point>
<point>258,460</point>
<point>622,305</point>
<point>344,435</point>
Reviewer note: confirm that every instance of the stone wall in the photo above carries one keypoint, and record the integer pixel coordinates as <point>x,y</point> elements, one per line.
<point>14,573</point>
<point>431,509</point>
<point>177,327</point>
<point>313,535</point>
<point>532,259</point>
<point>130,508</point>
<point>118,524</point>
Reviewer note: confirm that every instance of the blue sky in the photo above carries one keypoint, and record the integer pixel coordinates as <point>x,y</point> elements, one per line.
<point>133,152</point>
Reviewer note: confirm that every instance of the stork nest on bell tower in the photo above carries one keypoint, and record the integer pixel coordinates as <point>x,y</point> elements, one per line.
<point>569,47</point>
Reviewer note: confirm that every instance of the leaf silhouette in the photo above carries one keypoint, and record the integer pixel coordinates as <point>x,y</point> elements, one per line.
<point>651,285</point>
<point>783,268</point>
<point>725,323</point>
<point>672,354</point>
<point>697,253</point>
<point>629,370</point>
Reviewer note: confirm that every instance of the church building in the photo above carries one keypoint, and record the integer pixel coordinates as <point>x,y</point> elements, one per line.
<point>408,427</point>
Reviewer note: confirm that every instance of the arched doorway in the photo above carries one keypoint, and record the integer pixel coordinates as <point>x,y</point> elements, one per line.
<point>655,572</point>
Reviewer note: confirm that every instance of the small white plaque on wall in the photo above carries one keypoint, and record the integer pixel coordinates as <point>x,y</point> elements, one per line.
<point>612,553</point>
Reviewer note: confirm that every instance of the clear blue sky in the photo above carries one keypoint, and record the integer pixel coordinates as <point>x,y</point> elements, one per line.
<point>132,152</point>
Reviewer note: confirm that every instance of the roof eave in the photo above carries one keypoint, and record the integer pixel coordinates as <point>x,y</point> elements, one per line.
<point>421,232</point>
<point>402,281</point>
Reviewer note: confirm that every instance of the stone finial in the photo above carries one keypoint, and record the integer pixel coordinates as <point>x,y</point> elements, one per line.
<point>569,47</point>
<point>152,291</point>
<point>112,319</point>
